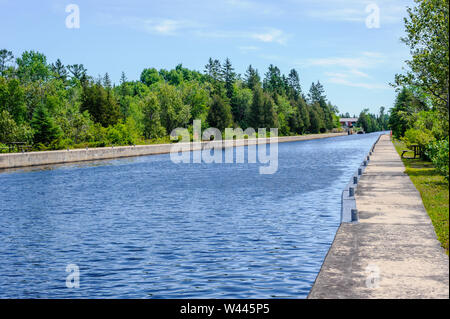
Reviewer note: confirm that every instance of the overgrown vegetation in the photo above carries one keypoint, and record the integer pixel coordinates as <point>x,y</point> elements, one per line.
<point>54,106</point>
<point>421,110</point>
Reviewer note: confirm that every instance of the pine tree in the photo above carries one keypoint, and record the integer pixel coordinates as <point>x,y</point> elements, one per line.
<point>316,93</point>
<point>123,78</point>
<point>59,70</point>
<point>294,88</point>
<point>107,81</point>
<point>44,127</point>
<point>219,115</point>
<point>256,115</point>
<point>252,78</point>
<point>100,104</point>
<point>229,77</point>
<point>78,71</point>
<point>273,81</point>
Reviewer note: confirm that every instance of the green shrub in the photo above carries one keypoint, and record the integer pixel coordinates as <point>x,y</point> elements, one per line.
<point>421,137</point>
<point>438,153</point>
<point>60,144</point>
<point>121,134</point>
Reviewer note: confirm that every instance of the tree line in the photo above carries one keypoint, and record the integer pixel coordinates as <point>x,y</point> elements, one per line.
<point>54,106</point>
<point>421,111</point>
<point>369,122</point>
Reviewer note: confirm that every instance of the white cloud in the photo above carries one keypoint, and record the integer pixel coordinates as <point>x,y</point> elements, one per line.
<point>272,35</point>
<point>354,10</point>
<point>365,60</point>
<point>266,35</point>
<point>346,82</point>
<point>347,70</point>
<point>357,62</point>
<point>158,26</point>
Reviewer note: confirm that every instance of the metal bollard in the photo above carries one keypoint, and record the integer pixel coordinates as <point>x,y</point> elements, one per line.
<point>368,158</point>
<point>351,191</point>
<point>355,180</point>
<point>354,215</point>
<point>359,171</point>
<point>365,163</point>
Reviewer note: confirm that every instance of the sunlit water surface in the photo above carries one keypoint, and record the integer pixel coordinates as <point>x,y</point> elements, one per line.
<point>145,227</point>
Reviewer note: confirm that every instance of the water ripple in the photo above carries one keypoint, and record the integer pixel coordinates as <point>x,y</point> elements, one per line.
<point>148,228</point>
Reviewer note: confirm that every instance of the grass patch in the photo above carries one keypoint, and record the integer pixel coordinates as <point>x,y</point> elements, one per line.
<point>434,191</point>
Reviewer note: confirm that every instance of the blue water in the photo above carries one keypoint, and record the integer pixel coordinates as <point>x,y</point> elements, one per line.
<point>145,227</point>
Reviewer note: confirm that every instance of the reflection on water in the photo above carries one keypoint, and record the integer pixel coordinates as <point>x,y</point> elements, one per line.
<point>145,227</point>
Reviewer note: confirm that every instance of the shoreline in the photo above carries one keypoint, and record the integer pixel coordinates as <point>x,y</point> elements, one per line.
<point>18,160</point>
<point>391,250</point>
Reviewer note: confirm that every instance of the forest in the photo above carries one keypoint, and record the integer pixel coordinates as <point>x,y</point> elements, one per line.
<point>420,114</point>
<point>55,106</point>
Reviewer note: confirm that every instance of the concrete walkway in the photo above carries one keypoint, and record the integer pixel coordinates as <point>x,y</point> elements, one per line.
<point>393,251</point>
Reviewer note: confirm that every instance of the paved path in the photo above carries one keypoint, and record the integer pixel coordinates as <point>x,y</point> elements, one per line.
<point>393,251</point>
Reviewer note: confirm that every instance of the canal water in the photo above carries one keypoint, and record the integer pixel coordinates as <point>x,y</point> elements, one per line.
<point>145,227</point>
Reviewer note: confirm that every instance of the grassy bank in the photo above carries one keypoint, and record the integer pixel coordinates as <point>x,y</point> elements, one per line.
<point>434,191</point>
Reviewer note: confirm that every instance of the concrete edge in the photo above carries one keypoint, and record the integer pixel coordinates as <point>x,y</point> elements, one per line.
<point>17,160</point>
<point>348,201</point>
<point>351,205</point>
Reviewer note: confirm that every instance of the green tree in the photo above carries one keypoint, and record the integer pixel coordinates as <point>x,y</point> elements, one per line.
<point>219,115</point>
<point>5,58</point>
<point>427,32</point>
<point>252,78</point>
<point>12,99</point>
<point>294,87</point>
<point>152,117</point>
<point>11,132</point>
<point>174,113</point>
<point>32,66</point>
<point>256,114</point>
<point>59,70</point>
<point>150,76</point>
<point>229,77</point>
<point>316,93</point>
<point>100,103</point>
<point>405,106</point>
<point>45,129</point>
<point>78,71</point>
<point>273,81</point>
<point>240,105</point>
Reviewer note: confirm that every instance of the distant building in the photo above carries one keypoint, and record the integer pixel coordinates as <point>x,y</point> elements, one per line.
<point>348,122</point>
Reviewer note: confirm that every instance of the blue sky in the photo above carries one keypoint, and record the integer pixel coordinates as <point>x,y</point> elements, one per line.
<point>325,40</point>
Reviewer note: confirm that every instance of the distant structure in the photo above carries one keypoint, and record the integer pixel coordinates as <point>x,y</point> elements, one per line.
<point>348,122</point>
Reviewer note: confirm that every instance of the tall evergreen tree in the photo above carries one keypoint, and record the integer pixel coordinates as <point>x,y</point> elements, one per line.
<point>100,104</point>
<point>44,127</point>
<point>316,93</point>
<point>59,70</point>
<point>252,78</point>
<point>219,115</point>
<point>273,81</point>
<point>229,77</point>
<point>295,89</point>
<point>5,58</point>
<point>78,71</point>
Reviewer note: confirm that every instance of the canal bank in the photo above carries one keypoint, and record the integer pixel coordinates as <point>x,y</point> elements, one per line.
<point>15,160</point>
<point>392,251</point>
